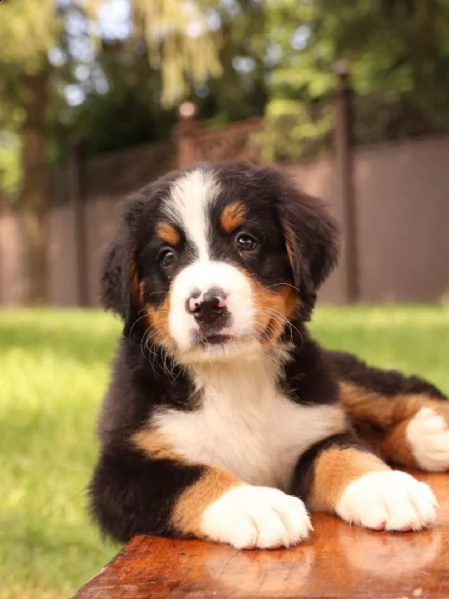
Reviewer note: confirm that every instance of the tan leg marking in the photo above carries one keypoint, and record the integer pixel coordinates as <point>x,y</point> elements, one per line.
<point>232,217</point>
<point>391,414</point>
<point>334,469</point>
<point>366,405</point>
<point>168,233</point>
<point>186,516</point>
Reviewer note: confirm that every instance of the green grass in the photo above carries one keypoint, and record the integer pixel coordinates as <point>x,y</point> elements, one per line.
<point>53,372</point>
<point>414,339</point>
<point>54,367</point>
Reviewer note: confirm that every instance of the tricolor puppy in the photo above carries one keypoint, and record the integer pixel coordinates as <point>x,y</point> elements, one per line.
<point>224,420</point>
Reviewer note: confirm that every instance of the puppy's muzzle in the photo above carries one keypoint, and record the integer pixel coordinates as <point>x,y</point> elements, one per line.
<point>209,308</point>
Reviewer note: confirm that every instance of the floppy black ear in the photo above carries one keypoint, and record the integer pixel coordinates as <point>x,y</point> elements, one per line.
<point>119,279</point>
<point>311,239</point>
<point>116,276</point>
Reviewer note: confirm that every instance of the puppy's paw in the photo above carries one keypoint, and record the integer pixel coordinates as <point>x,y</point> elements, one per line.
<point>248,516</point>
<point>389,500</point>
<point>428,437</point>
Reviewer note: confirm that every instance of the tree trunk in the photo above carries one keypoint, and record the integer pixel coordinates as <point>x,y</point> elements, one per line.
<point>34,196</point>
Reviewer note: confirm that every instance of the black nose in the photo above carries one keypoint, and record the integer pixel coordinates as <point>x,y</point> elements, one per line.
<point>209,307</point>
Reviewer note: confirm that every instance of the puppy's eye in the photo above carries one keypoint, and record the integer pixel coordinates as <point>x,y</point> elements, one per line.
<point>246,242</point>
<point>167,258</point>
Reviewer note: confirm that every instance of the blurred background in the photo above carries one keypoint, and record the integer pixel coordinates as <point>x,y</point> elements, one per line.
<point>99,97</point>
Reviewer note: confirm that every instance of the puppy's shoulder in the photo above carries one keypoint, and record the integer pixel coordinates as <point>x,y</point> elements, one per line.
<point>309,376</point>
<point>142,381</point>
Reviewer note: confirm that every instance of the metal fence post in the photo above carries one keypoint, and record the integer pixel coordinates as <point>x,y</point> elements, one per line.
<point>186,128</point>
<point>75,195</point>
<point>345,172</point>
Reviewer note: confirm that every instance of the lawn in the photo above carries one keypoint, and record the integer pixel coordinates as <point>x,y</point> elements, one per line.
<point>53,371</point>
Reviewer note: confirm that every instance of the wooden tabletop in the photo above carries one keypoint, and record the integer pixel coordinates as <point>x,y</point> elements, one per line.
<point>338,561</point>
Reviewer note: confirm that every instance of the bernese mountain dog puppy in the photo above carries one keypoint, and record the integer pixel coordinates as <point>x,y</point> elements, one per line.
<point>224,420</point>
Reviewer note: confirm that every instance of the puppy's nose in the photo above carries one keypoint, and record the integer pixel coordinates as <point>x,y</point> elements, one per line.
<point>207,307</point>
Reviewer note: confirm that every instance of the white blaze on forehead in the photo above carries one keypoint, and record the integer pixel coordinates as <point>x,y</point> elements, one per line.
<point>188,202</point>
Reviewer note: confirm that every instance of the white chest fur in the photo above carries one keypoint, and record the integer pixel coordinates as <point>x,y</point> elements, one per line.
<point>246,425</point>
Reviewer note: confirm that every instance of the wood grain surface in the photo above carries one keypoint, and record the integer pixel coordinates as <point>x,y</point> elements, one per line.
<point>338,561</point>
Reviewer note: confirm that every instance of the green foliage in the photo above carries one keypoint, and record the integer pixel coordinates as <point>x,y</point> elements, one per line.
<point>170,49</point>
<point>234,59</point>
<point>295,130</point>
<point>126,112</point>
<point>180,43</point>
<point>398,53</point>
<point>28,29</point>
<point>9,163</point>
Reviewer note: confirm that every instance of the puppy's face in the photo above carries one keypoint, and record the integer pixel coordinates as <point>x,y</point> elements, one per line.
<point>213,256</point>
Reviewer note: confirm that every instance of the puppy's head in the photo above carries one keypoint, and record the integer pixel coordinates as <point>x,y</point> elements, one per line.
<point>217,260</point>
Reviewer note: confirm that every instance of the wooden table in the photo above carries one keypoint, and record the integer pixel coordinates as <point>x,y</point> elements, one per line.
<point>339,561</point>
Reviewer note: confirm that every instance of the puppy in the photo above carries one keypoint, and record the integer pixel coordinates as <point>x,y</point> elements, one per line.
<point>224,420</point>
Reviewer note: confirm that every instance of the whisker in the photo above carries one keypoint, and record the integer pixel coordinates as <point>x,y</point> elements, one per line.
<point>285,285</point>
<point>161,355</point>
<point>284,321</point>
<point>137,320</point>
<point>155,293</point>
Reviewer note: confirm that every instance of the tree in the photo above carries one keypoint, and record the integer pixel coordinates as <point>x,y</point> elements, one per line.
<point>123,106</point>
<point>398,54</point>
<point>27,30</point>
<point>179,42</point>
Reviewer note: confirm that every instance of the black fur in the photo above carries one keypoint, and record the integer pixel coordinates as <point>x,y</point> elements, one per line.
<point>385,382</point>
<point>132,494</point>
<point>308,376</point>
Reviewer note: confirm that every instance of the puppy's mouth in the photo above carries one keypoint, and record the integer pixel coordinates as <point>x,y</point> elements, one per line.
<point>216,339</point>
<point>219,340</point>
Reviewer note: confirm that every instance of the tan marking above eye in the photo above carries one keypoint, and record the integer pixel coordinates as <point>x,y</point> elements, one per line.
<point>168,233</point>
<point>232,217</point>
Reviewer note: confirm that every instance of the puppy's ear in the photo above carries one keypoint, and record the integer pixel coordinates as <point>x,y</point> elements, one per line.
<point>311,240</point>
<point>119,284</point>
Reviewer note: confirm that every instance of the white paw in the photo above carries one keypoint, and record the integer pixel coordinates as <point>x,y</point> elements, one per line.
<point>247,517</point>
<point>389,500</point>
<point>428,437</point>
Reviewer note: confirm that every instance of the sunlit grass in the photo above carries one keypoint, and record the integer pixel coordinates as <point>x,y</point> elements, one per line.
<point>54,369</point>
<point>53,372</point>
<point>414,339</point>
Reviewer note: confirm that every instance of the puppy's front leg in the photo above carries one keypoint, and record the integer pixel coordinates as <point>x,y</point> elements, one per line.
<point>337,476</point>
<point>134,493</point>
